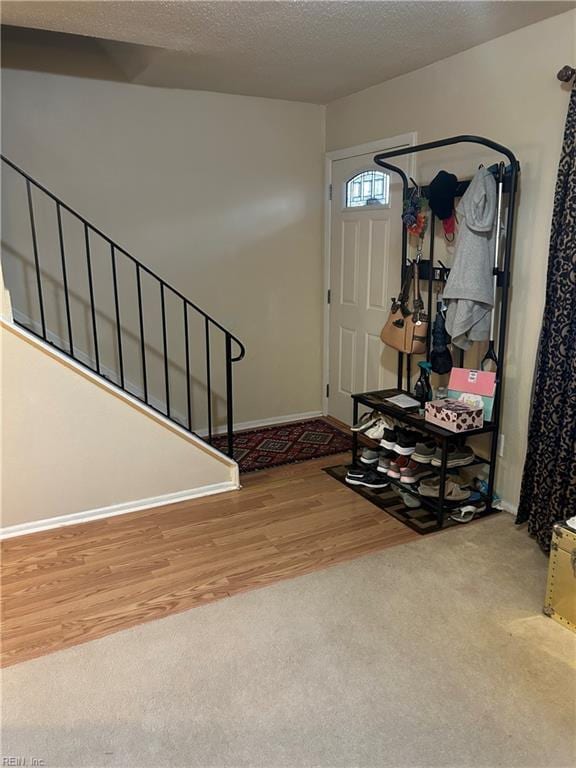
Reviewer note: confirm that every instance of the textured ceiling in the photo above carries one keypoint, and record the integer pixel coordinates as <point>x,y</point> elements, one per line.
<point>306,51</point>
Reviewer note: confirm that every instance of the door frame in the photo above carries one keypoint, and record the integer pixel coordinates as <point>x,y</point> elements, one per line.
<point>401,140</point>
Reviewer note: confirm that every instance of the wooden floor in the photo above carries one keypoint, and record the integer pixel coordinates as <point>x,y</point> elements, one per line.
<point>67,586</point>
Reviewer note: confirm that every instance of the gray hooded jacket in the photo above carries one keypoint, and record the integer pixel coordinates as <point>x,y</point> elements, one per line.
<point>469,291</point>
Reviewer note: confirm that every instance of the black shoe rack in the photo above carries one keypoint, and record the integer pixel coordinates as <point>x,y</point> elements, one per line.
<point>440,507</point>
<point>377,400</point>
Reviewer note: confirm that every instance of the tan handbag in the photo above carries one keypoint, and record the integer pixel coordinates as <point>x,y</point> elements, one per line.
<point>407,327</point>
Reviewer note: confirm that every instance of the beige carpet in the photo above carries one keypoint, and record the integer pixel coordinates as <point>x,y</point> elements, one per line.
<point>432,653</point>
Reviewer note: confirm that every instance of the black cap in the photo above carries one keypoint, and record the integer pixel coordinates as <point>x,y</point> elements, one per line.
<point>442,192</point>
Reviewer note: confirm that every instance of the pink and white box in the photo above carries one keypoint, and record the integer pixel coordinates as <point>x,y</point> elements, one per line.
<point>470,401</point>
<point>454,415</point>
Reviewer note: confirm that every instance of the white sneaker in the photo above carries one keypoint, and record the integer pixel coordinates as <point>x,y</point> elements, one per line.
<point>365,422</point>
<point>377,431</point>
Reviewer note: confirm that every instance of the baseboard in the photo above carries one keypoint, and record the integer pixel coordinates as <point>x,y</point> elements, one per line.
<point>75,518</point>
<point>269,422</point>
<point>510,508</point>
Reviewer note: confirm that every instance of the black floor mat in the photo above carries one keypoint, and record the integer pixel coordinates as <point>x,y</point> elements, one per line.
<point>421,520</point>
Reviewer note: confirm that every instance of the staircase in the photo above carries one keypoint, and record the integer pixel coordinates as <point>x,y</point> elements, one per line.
<point>80,291</point>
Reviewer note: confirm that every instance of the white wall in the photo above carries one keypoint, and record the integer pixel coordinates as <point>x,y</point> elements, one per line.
<point>506,90</point>
<point>221,195</point>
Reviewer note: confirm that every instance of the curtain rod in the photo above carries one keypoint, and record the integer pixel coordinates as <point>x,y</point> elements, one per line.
<point>566,74</point>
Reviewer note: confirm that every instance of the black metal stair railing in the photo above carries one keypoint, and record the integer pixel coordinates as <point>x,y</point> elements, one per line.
<point>166,290</point>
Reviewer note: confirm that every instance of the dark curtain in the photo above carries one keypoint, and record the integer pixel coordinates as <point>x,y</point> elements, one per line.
<point>549,482</point>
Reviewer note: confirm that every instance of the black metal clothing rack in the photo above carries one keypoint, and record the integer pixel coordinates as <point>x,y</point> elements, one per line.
<point>376,400</point>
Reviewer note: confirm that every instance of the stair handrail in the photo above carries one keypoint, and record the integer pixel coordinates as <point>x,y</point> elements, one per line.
<point>115,247</point>
<point>118,247</point>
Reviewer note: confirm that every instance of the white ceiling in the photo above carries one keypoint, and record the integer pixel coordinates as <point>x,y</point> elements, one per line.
<point>305,50</point>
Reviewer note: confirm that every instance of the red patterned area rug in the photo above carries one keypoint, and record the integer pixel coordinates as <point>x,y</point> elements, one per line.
<point>285,444</point>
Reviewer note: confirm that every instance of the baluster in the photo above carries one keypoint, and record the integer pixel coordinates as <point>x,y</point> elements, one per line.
<point>229,397</point>
<point>92,317</point>
<point>142,342</point>
<point>65,279</point>
<point>36,259</point>
<point>208,377</point>
<point>165,344</point>
<point>187,343</point>
<point>91,289</point>
<point>117,308</point>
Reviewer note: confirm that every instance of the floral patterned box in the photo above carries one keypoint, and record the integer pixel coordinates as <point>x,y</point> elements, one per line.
<point>454,415</point>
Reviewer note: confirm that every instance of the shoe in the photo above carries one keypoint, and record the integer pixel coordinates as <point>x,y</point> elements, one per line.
<point>424,451</point>
<point>365,422</point>
<point>385,460</point>
<point>376,431</point>
<point>467,513</point>
<point>369,479</point>
<point>481,486</point>
<point>369,456</point>
<point>396,466</point>
<point>410,501</point>
<point>457,457</point>
<point>389,437</point>
<point>356,472</point>
<point>410,466</point>
<point>452,491</point>
<point>434,482</point>
<point>430,491</point>
<point>406,442</point>
<point>414,472</point>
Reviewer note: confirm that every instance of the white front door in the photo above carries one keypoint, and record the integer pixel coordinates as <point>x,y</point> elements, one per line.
<point>365,262</point>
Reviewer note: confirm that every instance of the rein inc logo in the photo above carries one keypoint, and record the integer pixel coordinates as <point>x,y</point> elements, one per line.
<point>22,762</point>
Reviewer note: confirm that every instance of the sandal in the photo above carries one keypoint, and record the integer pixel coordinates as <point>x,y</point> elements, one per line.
<point>467,513</point>
<point>452,491</point>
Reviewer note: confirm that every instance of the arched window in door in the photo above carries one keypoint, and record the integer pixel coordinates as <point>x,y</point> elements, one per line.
<point>368,188</point>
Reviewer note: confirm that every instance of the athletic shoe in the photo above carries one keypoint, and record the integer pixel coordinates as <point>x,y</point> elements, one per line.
<point>406,442</point>
<point>410,501</point>
<point>385,460</point>
<point>396,466</point>
<point>414,472</point>
<point>369,456</point>
<point>457,457</point>
<point>376,431</point>
<point>424,451</point>
<point>356,472</point>
<point>388,440</point>
<point>410,466</point>
<point>369,479</point>
<point>366,421</point>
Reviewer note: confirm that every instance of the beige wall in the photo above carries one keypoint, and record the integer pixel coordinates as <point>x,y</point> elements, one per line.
<point>506,90</point>
<point>221,195</point>
<point>69,445</point>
